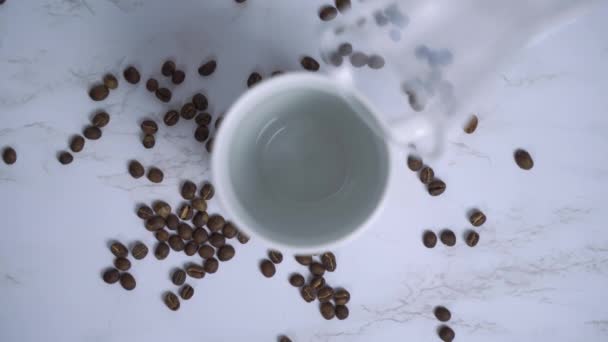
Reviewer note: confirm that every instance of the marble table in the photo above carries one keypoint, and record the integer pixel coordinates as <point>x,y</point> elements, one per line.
<point>540,271</point>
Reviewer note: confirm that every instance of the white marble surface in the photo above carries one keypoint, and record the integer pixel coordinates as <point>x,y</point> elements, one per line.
<point>540,271</point>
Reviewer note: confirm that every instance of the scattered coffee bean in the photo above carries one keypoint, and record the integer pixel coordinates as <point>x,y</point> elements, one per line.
<point>132,75</point>
<point>99,92</point>
<point>203,119</point>
<point>358,59</point>
<point>317,269</point>
<point>200,219</point>
<point>206,251</point>
<point>253,79</point>
<point>429,239</point>
<point>477,218</point>
<point>199,204</point>
<point>317,283</point>
<point>155,223</point>
<point>136,170</point>
<point>162,235</point>
<point>9,156</point>
<point>341,312</point>
<point>65,158</point>
<point>77,143</point>
<point>127,281</point>
<point>148,141</point>
<point>149,127</point>
<point>448,238</point>
<point>327,13</point>
<point>207,191</point>
<point>152,85</point>
<point>308,292</point>
<point>208,68</point>
<point>276,73</point>
<point>267,268</point>
<point>144,212</point>
<point>178,77</point>
<point>184,231</point>
<point>163,94</point>
<point>325,294</point>
<point>200,235</point>
<point>186,292</point>
<point>188,111</point>
<point>92,133</point>
<point>309,63</point>
<point>442,314</point>
<point>195,271</point>
<point>343,5</point>
<point>523,159</point>
<point>161,251</point>
<point>446,334</point>
<point>171,301</point>
<point>328,311</point>
<point>155,175</point>
<point>242,237</point>
<point>178,277</point>
<point>188,190</point>
<point>345,49</point>
<point>225,253</point>
<point>375,62</point>
<point>172,221</point>
<point>217,240</point>
<point>139,251</point>
<point>199,101</point>
<point>329,261</point>
<point>176,243</point>
<point>185,212</point>
<point>122,264</point>
<point>414,163</point>
<point>211,265</point>
<point>119,250</point>
<point>171,118</point>
<point>216,222</point>
<point>168,68</point>
<point>335,59</point>
<point>284,338</point>
<point>101,119</point>
<point>110,81</point>
<point>436,187</point>
<point>296,280</point>
<point>341,297</point>
<point>111,276</point>
<point>471,124</point>
<point>218,121</point>
<point>304,259</point>
<point>162,209</point>
<point>427,175</point>
<point>209,145</point>
<point>201,134</point>
<point>275,256</point>
<point>472,238</point>
<point>229,230</point>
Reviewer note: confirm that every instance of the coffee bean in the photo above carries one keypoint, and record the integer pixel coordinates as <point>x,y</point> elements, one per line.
<point>296,280</point>
<point>211,265</point>
<point>429,239</point>
<point>208,68</point>
<point>275,256</point>
<point>200,235</point>
<point>163,94</point>
<point>327,13</point>
<point>446,333</point>
<point>127,281</point>
<point>188,112</point>
<point>139,251</point>
<point>309,63</point>
<point>436,187</point>
<point>471,124</point>
<point>99,92</point>
<point>148,141</point>
<point>131,75</point>
<point>358,59</point>
<point>523,159</point>
<point>186,292</point>
<point>304,259</point>
<point>442,314</point>
<point>199,204</point>
<point>472,238</point>
<point>161,251</point>
<point>185,212</point>
<point>162,235</point>
<point>162,209</point>
<point>341,297</point>
<point>242,237</point>
<point>119,250</point>
<point>328,311</point>
<point>92,133</point>
<point>414,163</point>
<point>77,143</point>
<point>343,5</point>
<point>144,212</point>
<point>345,49</point>
<point>317,269</point>
<point>325,294</point>
<point>207,191</point>
<point>122,264</point>
<point>101,119</point>
<point>65,158</point>
<point>136,170</point>
<point>426,175</point>
<point>375,62</point>
<point>253,79</point>
<point>284,338</point>
<point>149,127</point>
<point>152,85</point>
<point>317,283</point>
<point>176,243</point>
<point>155,223</point>
<point>188,190</point>
<point>171,301</point>
<point>203,119</point>
<point>178,277</point>
<point>184,231</point>
<point>341,312</point>
<point>206,251</point>
<point>200,219</point>
<point>217,240</point>
<point>195,271</point>
<point>329,261</point>
<point>178,77</point>
<point>155,175</point>
<point>111,276</point>
<point>168,68</point>
<point>477,218</point>
<point>307,292</point>
<point>171,118</point>
<point>216,222</point>
<point>225,253</point>
<point>267,268</point>
<point>209,145</point>
<point>218,121</point>
<point>448,238</point>
<point>200,102</point>
<point>172,221</point>
<point>201,134</point>
<point>229,230</point>
<point>110,81</point>
<point>276,73</point>
<point>9,156</point>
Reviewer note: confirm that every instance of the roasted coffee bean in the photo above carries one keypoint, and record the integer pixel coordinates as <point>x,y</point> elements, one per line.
<point>429,239</point>
<point>119,250</point>
<point>178,277</point>
<point>436,187</point>
<point>216,222</point>
<point>208,68</point>
<point>191,248</point>
<point>414,163</point>
<point>162,235</point>
<point>329,261</point>
<point>343,5</point>
<point>426,175</point>
<point>185,212</point>
<point>9,156</point>
<point>448,238</point>
<point>375,62</point>
<point>317,283</point>
<point>161,251</point>
<point>309,63</point>
<point>176,243</point>
<point>155,175</point>
<point>209,145</point>
<point>92,133</point>
<point>188,190</point>
<point>442,314</point>
<point>203,119</point>
<point>201,134</point>
<point>139,251</point>
<point>99,92</point>
<point>296,280</point>
<point>267,268</point>
<point>275,256</point>
<point>144,212</point>
<point>523,159</point>
<point>148,141</point>
<point>200,235</point>
<point>317,269</point>
<point>253,79</point>
<point>242,237</point>
<point>127,281</point>
<point>188,112</point>
<point>111,276</point>
<point>327,13</point>
<point>304,259</point>
<point>184,231</point>
<point>172,221</point>
<point>132,75</point>
<point>77,143</point>
<point>472,238</point>
<point>178,77</point>
<point>152,85</point>
<point>195,271</point>
<point>168,68</point>
<point>65,158</point>
<point>284,338</point>
<point>211,265</point>
<point>345,49</point>
<point>341,297</point>
<point>149,127</point>
<point>446,333</point>
<point>358,59</point>
<point>217,240</point>
<point>207,191</point>
<point>471,124</point>
<point>225,253</point>
<point>171,301</point>
<point>341,312</point>
<point>229,230</point>
<point>308,293</point>
<point>335,59</point>
<point>200,219</point>
<point>162,209</point>
<point>101,119</point>
<point>136,170</point>
<point>199,204</point>
<point>328,311</point>
<point>218,121</point>
<point>477,218</point>
<point>199,101</point>
<point>276,73</point>
<point>122,264</point>
<point>325,294</point>
<point>110,81</point>
<point>171,118</point>
<point>155,223</point>
<point>163,94</point>
<point>186,292</point>
<point>206,251</point>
